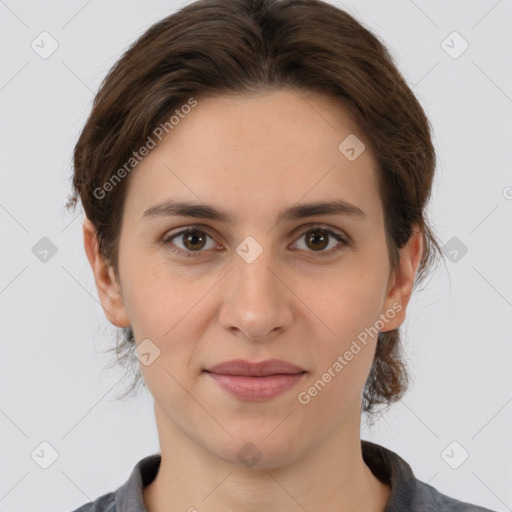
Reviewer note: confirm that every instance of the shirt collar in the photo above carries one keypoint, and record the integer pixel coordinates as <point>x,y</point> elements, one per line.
<point>386,465</point>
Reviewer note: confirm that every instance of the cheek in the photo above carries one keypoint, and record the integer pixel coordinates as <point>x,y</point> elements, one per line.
<point>168,308</point>
<point>158,298</point>
<point>349,308</point>
<point>350,302</point>
<point>344,352</point>
<point>334,394</point>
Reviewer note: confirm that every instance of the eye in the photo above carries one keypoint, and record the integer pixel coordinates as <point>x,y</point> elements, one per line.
<point>193,239</point>
<point>319,237</point>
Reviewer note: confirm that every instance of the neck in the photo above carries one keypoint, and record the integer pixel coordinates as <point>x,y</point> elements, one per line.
<point>329,476</point>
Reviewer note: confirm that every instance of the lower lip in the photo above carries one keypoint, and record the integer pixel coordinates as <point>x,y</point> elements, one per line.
<point>256,388</point>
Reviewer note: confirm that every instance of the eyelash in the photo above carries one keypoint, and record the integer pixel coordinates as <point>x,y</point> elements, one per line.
<point>194,254</point>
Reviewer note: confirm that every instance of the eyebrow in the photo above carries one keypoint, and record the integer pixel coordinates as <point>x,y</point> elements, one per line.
<point>172,208</point>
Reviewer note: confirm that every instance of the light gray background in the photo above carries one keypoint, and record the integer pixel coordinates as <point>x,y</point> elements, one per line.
<point>52,384</point>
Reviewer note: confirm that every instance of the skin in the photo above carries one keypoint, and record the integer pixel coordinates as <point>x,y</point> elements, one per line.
<point>254,156</point>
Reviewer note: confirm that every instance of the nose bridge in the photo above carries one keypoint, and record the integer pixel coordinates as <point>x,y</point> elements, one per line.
<point>256,301</point>
<point>252,270</point>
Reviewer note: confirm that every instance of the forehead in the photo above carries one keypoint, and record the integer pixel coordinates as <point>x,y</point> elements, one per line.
<point>259,153</point>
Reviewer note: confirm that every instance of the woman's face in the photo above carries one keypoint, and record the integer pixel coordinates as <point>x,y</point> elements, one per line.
<point>257,284</point>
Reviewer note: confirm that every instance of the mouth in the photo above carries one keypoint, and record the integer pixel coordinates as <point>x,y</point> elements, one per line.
<point>243,367</point>
<point>252,381</point>
<point>256,389</point>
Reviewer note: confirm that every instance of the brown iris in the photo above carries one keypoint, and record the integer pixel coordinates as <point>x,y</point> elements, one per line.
<point>193,237</point>
<point>316,236</point>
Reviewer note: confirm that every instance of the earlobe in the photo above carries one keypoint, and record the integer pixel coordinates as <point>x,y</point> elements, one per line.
<point>402,282</point>
<point>109,290</point>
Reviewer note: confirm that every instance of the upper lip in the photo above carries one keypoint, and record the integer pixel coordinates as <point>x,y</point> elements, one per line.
<point>255,369</point>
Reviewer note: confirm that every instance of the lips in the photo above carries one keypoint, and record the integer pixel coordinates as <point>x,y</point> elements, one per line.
<point>256,381</point>
<point>242,367</point>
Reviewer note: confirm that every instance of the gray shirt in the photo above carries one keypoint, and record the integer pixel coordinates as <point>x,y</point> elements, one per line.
<point>408,494</point>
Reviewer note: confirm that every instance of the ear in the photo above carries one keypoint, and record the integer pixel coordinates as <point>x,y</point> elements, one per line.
<point>401,282</point>
<point>109,290</point>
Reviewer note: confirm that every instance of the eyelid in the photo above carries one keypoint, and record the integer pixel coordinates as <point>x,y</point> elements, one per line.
<point>167,239</point>
<point>319,225</point>
<point>343,238</point>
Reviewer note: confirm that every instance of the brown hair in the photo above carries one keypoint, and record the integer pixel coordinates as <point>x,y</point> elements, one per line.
<point>214,47</point>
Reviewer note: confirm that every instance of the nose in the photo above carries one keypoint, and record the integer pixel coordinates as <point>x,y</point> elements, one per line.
<point>256,302</point>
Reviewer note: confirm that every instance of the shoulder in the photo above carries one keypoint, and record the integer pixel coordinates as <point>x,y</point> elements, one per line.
<point>105,503</point>
<point>129,495</point>
<point>407,492</point>
<point>442,503</point>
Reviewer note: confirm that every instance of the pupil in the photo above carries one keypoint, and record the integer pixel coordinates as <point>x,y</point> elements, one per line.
<point>316,235</point>
<point>192,238</point>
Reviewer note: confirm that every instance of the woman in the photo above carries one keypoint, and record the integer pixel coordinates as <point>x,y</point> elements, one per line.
<point>254,176</point>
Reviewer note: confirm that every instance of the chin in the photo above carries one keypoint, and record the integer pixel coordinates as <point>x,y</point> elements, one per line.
<point>257,450</point>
